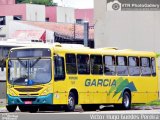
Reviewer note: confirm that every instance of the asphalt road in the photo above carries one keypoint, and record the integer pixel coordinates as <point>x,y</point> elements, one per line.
<point>104,114</point>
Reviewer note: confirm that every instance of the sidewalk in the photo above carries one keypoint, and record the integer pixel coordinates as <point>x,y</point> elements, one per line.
<point>2,102</point>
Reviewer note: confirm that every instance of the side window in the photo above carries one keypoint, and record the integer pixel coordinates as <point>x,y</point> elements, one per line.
<point>145,66</point>
<point>122,68</point>
<point>134,69</point>
<point>83,64</point>
<point>71,67</point>
<point>96,64</point>
<point>59,71</point>
<point>109,65</point>
<point>153,66</point>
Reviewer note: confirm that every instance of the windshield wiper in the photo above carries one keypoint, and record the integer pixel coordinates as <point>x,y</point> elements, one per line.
<point>35,61</point>
<point>23,64</point>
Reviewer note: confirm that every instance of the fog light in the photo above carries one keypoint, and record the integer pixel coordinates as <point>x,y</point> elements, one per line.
<point>44,101</point>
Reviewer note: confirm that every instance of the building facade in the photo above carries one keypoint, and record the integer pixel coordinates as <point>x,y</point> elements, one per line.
<point>84,15</point>
<point>4,2</point>
<point>128,27</point>
<point>27,12</point>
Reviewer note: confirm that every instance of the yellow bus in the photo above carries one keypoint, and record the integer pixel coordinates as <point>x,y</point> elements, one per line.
<point>69,75</point>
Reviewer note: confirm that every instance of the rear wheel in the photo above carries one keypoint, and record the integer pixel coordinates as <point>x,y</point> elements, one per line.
<point>126,102</point>
<point>71,103</point>
<point>92,107</point>
<point>11,108</point>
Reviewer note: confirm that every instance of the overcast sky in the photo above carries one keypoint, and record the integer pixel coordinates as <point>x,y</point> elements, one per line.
<point>75,3</point>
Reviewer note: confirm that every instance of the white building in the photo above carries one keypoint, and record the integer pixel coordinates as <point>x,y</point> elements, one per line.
<point>127,25</point>
<point>27,12</point>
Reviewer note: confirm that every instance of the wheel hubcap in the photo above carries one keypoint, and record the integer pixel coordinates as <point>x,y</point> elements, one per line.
<point>71,102</point>
<point>126,101</point>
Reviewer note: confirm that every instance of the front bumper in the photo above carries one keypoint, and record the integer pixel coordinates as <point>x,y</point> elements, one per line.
<point>36,100</point>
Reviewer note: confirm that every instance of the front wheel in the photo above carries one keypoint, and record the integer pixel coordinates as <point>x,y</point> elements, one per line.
<point>11,108</point>
<point>71,103</point>
<point>126,102</point>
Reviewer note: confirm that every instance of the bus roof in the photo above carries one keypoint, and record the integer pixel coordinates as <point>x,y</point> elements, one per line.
<point>81,49</point>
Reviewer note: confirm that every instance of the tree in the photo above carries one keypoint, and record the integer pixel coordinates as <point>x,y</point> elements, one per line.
<point>41,2</point>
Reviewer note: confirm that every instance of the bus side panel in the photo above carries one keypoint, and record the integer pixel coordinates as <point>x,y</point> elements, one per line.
<point>60,92</point>
<point>152,91</point>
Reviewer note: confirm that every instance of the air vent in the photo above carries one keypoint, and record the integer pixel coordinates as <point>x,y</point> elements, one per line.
<point>28,89</point>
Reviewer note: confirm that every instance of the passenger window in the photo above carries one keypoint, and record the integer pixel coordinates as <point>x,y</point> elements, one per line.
<point>122,68</point>
<point>145,66</point>
<point>59,71</point>
<point>109,65</point>
<point>153,66</point>
<point>96,64</point>
<point>71,67</point>
<point>83,64</point>
<point>134,69</point>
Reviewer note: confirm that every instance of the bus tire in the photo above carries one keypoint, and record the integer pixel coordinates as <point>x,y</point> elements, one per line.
<point>71,103</point>
<point>126,101</point>
<point>11,108</point>
<point>92,107</point>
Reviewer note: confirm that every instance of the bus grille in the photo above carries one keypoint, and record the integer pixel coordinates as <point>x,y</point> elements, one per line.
<point>28,99</point>
<point>28,89</point>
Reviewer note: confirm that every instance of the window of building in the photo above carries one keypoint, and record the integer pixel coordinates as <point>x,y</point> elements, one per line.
<point>145,66</point>
<point>122,67</point>
<point>79,21</point>
<point>109,65</point>
<point>71,66</point>
<point>17,17</point>
<point>47,19</point>
<point>153,66</point>
<point>83,64</point>
<point>2,20</point>
<point>96,64</point>
<point>59,71</point>
<point>134,69</point>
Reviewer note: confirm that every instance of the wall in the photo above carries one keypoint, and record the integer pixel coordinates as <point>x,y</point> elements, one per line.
<point>35,12</point>
<point>22,26</point>
<point>85,14</point>
<point>51,13</point>
<point>65,14</point>
<point>7,2</point>
<point>17,9</point>
<point>126,29</point>
<point>4,29</point>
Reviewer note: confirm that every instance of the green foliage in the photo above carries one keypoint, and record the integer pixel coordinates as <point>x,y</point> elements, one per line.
<point>156,102</point>
<point>41,2</point>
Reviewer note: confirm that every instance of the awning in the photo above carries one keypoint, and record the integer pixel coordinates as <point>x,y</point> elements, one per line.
<point>30,35</point>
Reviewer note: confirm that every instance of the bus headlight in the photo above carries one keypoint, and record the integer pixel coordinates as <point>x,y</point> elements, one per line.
<point>11,92</point>
<point>46,91</point>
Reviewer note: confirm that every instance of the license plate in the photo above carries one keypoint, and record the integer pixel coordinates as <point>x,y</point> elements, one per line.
<point>28,102</point>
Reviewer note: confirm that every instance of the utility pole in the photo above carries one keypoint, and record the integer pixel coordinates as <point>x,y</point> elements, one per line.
<point>86,31</point>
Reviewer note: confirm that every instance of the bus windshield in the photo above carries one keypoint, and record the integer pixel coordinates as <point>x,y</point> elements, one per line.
<point>29,71</point>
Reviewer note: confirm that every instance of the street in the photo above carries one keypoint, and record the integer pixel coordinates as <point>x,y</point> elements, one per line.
<point>107,113</point>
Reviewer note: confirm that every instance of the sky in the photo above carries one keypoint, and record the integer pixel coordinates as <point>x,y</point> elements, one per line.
<point>75,3</point>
